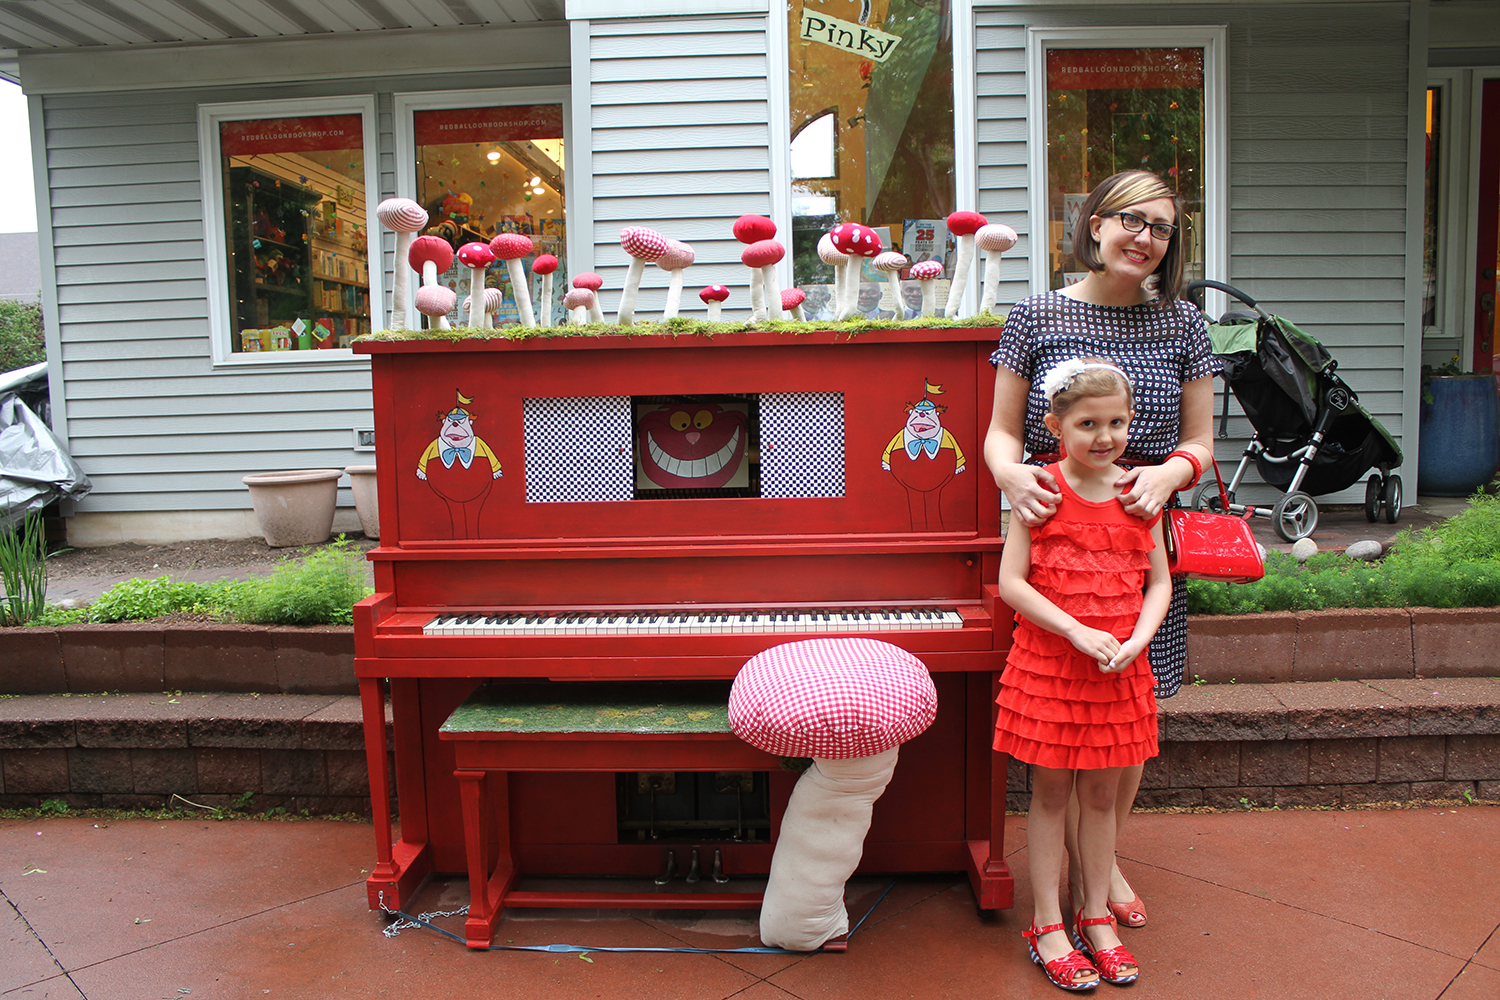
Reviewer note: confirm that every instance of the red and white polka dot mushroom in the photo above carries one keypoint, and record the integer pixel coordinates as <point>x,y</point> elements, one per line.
<point>476,257</point>
<point>714,297</point>
<point>791,301</point>
<point>858,243</point>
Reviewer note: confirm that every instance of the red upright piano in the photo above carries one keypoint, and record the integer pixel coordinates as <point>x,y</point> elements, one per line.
<point>568,508</point>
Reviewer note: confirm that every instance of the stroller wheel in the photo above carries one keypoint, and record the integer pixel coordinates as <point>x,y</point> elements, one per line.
<point>1206,497</point>
<point>1373,487</point>
<point>1294,516</point>
<point>1390,498</point>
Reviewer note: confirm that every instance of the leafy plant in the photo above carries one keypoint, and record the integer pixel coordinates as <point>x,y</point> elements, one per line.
<point>23,570</point>
<point>320,590</point>
<point>133,600</point>
<point>21,339</point>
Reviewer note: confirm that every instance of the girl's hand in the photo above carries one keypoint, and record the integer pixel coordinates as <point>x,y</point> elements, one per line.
<point>1095,644</point>
<point>1031,490</point>
<point>1148,488</point>
<point>1129,651</point>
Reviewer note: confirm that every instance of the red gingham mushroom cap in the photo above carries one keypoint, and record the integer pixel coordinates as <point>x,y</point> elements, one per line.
<point>476,255</point>
<point>714,293</point>
<point>831,698</point>
<point>965,223</point>
<point>754,228</point>
<point>791,298</point>
<point>430,248</point>
<point>544,264</point>
<point>855,240</point>
<point>512,246</point>
<point>642,243</point>
<point>589,280</point>
<point>925,270</point>
<point>762,254</point>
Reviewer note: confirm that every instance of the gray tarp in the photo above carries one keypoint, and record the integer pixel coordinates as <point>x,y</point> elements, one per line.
<point>35,469</point>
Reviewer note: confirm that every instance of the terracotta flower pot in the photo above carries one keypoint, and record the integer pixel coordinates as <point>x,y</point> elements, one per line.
<point>366,498</point>
<point>296,507</point>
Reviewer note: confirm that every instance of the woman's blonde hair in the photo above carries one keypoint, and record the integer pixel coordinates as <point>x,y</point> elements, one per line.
<point>1085,378</point>
<point>1120,191</point>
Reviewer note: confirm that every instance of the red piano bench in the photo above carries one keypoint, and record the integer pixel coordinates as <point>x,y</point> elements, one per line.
<point>580,726</point>
<point>848,704</point>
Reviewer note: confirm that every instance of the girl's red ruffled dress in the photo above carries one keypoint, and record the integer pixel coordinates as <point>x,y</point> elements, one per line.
<point>1057,709</point>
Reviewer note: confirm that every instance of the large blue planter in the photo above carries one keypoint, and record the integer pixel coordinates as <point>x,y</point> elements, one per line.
<point>1459,440</point>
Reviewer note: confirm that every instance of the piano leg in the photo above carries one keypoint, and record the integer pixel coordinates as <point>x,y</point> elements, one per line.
<point>399,867</point>
<point>485,796</point>
<point>989,874</point>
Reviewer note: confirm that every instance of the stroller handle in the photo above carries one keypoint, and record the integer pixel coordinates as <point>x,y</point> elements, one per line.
<point>1202,283</point>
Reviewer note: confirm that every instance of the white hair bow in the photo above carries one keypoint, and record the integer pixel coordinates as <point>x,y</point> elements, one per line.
<point>1062,375</point>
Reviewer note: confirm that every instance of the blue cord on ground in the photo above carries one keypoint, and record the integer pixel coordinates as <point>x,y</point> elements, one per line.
<point>407,921</point>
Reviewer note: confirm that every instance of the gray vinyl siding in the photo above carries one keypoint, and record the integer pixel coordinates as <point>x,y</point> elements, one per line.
<point>150,420</point>
<point>680,141</point>
<point>1317,169</point>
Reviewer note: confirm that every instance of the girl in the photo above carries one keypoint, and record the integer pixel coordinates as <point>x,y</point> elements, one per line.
<point>1076,698</point>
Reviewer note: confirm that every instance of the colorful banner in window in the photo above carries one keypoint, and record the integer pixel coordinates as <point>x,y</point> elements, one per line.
<point>290,135</point>
<point>1116,69</point>
<point>518,121</point>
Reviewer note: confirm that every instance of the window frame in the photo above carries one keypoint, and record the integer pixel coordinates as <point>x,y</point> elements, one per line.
<point>1213,40</point>
<point>407,103</point>
<point>215,247</point>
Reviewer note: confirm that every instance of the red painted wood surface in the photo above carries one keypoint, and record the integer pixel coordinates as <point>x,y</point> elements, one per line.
<point>865,548</point>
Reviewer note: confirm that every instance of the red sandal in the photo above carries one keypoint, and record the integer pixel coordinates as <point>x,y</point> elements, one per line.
<point>1108,961</point>
<point>1063,972</point>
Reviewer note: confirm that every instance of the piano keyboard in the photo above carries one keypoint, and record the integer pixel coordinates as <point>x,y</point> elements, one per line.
<point>706,622</point>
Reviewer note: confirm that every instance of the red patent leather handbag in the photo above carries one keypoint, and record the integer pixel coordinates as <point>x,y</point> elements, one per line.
<point>1205,545</point>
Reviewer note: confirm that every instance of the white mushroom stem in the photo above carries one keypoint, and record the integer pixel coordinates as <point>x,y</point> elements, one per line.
<point>520,290</point>
<point>757,296</point>
<point>991,290</point>
<point>545,319</point>
<point>401,280</point>
<point>429,272</point>
<point>715,310</point>
<point>850,293</point>
<point>478,318</point>
<point>771,291</point>
<point>626,315</point>
<point>674,294</point>
<point>929,296</point>
<point>961,267</point>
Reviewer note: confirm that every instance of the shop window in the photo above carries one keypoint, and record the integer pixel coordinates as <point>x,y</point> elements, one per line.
<point>483,170</point>
<point>291,200</point>
<point>1431,213</point>
<point>1109,109</point>
<point>871,98</point>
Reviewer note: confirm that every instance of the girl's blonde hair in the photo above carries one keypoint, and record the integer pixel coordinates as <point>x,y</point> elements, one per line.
<point>1085,378</point>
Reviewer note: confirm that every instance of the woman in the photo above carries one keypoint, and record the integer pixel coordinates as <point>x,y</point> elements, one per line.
<point>1128,309</point>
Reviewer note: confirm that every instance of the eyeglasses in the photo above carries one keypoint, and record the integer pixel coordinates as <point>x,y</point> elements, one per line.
<point>1134,224</point>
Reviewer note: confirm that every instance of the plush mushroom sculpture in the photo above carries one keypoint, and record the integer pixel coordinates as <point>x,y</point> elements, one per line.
<point>963,225</point>
<point>578,302</point>
<point>593,282</point>
<point>494,298</point>
<point>405,218</point>
<point>857,243</point>
<point>476,257</point>
<point>713,296</point>
<point>791,301</point>
<point>513,248</point>
<point>436,302</point>
<point>750,229</point>
<point>927,272</point>
<point>678,258</point>
<point>994,239</point>
<point>644,246</point>
<point>890,264</point>
<point>765,255</point>
<point>544,265</point>
<point>432,255</point>
<point>839,261</point>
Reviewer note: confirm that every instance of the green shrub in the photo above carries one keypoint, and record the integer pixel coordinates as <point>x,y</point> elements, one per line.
<point>319,590</point>
<point>133,600</point>
<point>21,340</point>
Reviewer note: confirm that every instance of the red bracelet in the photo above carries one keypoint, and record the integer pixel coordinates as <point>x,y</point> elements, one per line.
<point>1191,460</point>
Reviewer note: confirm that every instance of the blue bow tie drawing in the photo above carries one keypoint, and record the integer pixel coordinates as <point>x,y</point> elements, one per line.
<point>916,446</point>
<point>464,455</point>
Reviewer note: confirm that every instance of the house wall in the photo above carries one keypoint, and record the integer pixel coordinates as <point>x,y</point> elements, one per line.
<point>154,424</point>
<point>1317,137</point>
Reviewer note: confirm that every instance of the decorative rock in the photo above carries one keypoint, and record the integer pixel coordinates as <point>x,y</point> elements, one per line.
<point>1304,549</point>
<point>1367,550</point>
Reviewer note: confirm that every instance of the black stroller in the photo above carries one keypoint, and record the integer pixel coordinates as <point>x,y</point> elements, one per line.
<point>1312,436</point>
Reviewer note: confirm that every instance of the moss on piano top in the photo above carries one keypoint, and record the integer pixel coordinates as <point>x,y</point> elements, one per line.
<point>681,326</point>
<point>594,707</point>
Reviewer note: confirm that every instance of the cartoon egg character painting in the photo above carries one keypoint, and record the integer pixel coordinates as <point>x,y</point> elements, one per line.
<point>924,457</point>
<point>460,468</point>
<point>692,444</point>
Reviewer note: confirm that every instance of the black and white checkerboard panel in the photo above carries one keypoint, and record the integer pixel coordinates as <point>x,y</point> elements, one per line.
<point>802,444</point>
<point>578,449</point>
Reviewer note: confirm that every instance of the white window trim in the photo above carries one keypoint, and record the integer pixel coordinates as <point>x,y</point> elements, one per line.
<point>1214,40</point>
<point>215,251</point>
<point>1453,84</point>
<point>404,113</point>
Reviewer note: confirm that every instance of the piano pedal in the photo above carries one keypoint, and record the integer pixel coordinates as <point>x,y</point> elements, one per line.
<point>668,868</point>
<point>839,943</point>
<point>717,871</point>
<point>695,870</point>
